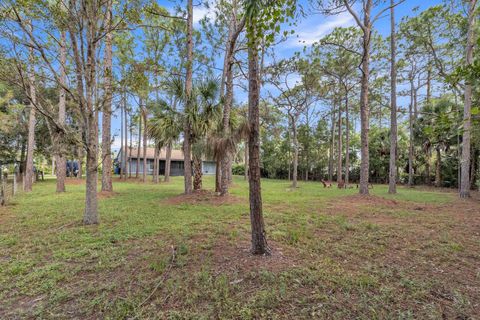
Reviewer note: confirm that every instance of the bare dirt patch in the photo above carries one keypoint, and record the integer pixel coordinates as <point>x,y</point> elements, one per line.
<point>5,215</point>
<point>355,205</point>
<point>204,197</point>
<point>74,181</point>
<point>106,194</point>
<point>235,257</point>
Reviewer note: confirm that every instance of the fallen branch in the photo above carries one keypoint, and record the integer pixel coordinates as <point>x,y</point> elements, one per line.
<point>162,279</point>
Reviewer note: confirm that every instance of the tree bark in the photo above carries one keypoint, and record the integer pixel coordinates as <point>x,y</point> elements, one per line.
<point>155,164</point>
<point>84,54</point>
<point>429,83</point>
<point>197,171</point>
<point>122,148</point>
<point>31,124</point>
<point>233,33</point>
<point>229,169</point>
<point>139,146</point>
<point>125,129</point>
<point>130,147</point>
<point>228,97</point>
<point>60,155</point>
<point>466,144</point>
<point>339,146</point>
<point>168,157</point>
<point>415,103</point>
<point>23,151</point>
<point>364,105</point>
<point>144,115</point>
<point>295,151</point>
<point>91,212</point>
<point>347,142</point>
<point>107,107</point>
<point>392,174</point>
<point>188,94</point>
<point>259,240</point>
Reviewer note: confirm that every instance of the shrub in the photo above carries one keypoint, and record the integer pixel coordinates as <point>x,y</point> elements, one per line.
<point>238,169</point>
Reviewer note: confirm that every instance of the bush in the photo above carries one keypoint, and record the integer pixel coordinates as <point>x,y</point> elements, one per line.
<point>238,169</point>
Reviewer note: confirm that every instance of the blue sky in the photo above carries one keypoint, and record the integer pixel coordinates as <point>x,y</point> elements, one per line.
<point>309,29</point>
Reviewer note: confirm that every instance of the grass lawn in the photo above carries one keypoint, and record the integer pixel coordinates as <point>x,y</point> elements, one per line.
<point>158,255</point>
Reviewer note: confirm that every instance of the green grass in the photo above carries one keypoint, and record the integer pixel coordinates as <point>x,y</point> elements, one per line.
<point>334,255</point>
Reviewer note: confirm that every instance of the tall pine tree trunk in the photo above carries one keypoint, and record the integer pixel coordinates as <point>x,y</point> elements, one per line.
<point>122,148</point>
<point>144,115</point>
<point>392,174</point>
<point>60,155</point>
<point>31,125</point>
<point>339,146</point>
<point>188,93</point>
<point>125,129</point>
<point>364,105</point>
<point>86,75</point>
<point>259,240</point>
<point>295,151</point>
<point>225,163</point>
<point>130,149</point>
<point>467,121</point>
<point>91,211</point>
<point>347,142</point>
<point>139,146</point>
<point>228,76</point>
<point>234,31</point>
<point>107,106</point>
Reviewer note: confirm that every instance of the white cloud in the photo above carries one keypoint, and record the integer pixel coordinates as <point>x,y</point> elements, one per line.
<point>310,33</point>
<point>199,12</point>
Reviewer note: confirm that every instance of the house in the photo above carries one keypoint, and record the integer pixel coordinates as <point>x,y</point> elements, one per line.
<point>176,162</point>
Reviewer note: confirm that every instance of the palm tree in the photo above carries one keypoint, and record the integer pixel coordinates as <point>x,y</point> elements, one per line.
<point>204,113</point>
<point>164,129</point>
<point>222,144</point>
<point>437,131</point>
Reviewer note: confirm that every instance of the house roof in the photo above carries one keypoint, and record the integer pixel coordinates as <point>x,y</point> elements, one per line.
<point>177,155</point>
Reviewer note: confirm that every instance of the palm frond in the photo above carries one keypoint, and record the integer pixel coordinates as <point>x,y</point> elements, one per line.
<point>220,146</point>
